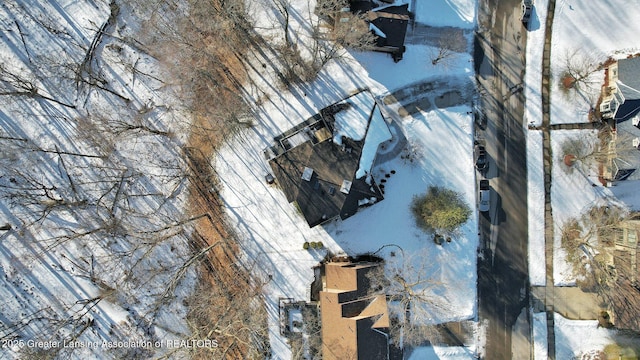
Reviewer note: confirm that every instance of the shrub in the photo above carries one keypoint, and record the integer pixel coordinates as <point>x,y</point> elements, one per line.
<point>305,245</point>
<point>440,210</point>
<point>320,245</point>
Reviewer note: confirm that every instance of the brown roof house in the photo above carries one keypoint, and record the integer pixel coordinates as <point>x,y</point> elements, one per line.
<point>355,323</point>
<point>627,247</point>
<point>324,164</point>
<point>624,254</point>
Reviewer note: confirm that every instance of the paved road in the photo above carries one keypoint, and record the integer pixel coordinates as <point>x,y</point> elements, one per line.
<point>503,269</point>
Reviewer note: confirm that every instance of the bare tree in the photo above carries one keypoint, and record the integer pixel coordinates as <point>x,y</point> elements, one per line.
<point>590,244</point>
<point>409,285</point>
<point>443,53</point>
<point>585,151</point>
<point>577,73</point>
<point>283,8</point>
<point>14,83</point>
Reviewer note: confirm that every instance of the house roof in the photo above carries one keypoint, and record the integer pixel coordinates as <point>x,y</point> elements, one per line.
<point>354,322</point>
<point>392,21</point>
<point>361,6</point>
<point>319,170</point>
<point>626,313</point>
<point>628,156</point>
<point>628,84</point>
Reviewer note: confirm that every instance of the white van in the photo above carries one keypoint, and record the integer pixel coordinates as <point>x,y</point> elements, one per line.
<point>484,197</point>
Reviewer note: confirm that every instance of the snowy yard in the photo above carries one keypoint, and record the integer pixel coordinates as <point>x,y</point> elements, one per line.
<point>90,177</point>
<point>274,232</point>
<point>587,33</point>
<point>571,193</point>
<point>438,152</point>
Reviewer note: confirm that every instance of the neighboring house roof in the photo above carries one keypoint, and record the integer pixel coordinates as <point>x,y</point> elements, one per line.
<point>324,164</point>
<point>354,323</point>
<point>627,142</point>
<point>361,6</point>
<point>628,84</point>
<point>627,264</point>
<point>626,313</point>
<point>392,21</point>
<point>388,23</point>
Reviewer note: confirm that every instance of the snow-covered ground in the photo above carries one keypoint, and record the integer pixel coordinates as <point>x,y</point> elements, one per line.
<point>276,240</point>
<point>438,152</point>
<point>572,194</point>
<point>592,32</point>
<point>575,339</point>
<point>595,32</point>
<point>441,352</point>
<point>456,13</point>
<point>580,338</point>
<point>535,208</point>
<point>87,193</point>
<point>539,335</point>
<point>533,74</point>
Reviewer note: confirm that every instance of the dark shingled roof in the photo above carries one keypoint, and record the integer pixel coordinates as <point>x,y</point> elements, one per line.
<point>392,21</point>
<point>629,86</point>
<point>320,198</point>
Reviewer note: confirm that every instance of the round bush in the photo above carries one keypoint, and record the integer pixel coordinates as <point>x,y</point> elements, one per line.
<point>440,210</point>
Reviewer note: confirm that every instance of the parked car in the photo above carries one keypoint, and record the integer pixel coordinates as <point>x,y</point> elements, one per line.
<point>484,197</point>
<point>525,14</point>
<point>480,158</point>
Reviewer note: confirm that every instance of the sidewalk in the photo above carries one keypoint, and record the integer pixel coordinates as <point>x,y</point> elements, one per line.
<point>570,302</point>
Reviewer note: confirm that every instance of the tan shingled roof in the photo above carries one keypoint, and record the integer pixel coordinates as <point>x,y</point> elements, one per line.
<point>345,336</point>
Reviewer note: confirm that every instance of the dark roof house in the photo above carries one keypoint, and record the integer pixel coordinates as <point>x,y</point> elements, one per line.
<point>324,164</point>
<point>620,106</point>
<point>388,23</point>
<point>621,92</point>
<point>355,323</point>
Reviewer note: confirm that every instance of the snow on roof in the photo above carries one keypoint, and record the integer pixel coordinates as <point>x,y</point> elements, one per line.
<point>295,320</point>
<point>377,134</point>
<point>352,122</point>
<point>376,30</point>
<point>307,173</point>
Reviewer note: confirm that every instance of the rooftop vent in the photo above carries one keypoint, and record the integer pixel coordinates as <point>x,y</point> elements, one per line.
<point>307,173</point>
<point>346,186</point>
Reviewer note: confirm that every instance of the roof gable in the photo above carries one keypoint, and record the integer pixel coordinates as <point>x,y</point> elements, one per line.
<point>392,21</point>
<point>325,175</point>
<point>354,322</point>
<point>629,78</point>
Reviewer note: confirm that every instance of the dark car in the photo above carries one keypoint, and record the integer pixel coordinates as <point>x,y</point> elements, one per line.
<point>525,12</point>
<point>480,157</point>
